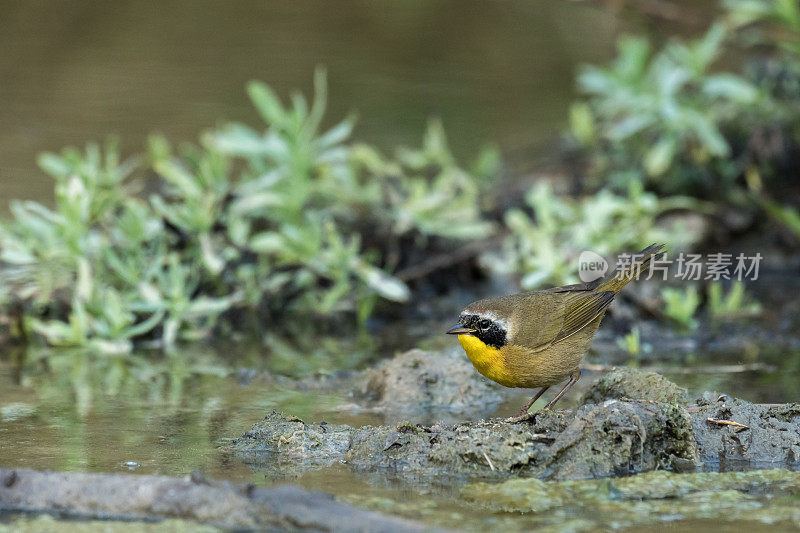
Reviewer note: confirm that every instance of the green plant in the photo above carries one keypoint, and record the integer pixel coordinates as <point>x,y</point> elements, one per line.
<point>782,18</point>
<point>787,216</point>
<point>681,305</point>
<point>667,118</point>
<point>81,267</point>
<point>658,117</point>
<point>544,247</point>
<point>673,120</point>
<point>288,221</point>
<point>631,342</point>
<point>734,304</point>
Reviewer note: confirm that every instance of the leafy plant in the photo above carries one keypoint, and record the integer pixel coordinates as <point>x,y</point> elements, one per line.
<point>669,118</point>
<point>261,224</point>
<point>673,120</point>
<point>681,305</point>
<point>733,304</point>
<point>660,117</point>
<point>544,247</point>
<point>631,342</point>
<point>782,18</point>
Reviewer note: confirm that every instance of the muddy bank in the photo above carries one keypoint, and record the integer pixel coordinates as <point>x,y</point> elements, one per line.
<point>153,498</point>
<point>633,436</point>
<point>771,435</point>
<point>637,422</point>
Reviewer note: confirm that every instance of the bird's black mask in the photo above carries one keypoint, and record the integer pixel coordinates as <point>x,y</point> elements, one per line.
<point>489,332</point>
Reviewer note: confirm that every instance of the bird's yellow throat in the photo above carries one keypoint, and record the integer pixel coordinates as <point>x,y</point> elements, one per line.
<point>486,359</point>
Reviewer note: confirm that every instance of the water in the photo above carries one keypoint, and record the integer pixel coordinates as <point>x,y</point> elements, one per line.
<point>156,414</point>
<point>173,415</point>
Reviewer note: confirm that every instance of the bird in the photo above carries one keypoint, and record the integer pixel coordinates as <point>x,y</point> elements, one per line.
<point>537,339</point>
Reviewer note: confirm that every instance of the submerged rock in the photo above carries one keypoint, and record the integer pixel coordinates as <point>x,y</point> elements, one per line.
<point>649,498</point>
<point>194,498</point>
<point>296,446</point>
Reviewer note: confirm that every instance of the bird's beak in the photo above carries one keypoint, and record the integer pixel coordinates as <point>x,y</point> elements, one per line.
<point>458,329</point>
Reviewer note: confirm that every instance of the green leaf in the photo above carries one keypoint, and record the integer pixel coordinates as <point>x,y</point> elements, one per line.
<point>267,242</point>
<point>175,174</point>
<point>204,306</point>
<point>267,103</point>
<point>256,204</point>
<point>659,158</point>
<point>54,165</point>
<point>730,87</point>
<point>385,285</point>
<point>336,135</point>
<point>581,123</point>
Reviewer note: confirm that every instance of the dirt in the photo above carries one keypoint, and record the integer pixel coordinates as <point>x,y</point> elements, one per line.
<point>771,436</point>
<point>195,498</point>
<point>634,421</point>
<point>634,384</point>
<point>428,382</point>
<point>632,436</point>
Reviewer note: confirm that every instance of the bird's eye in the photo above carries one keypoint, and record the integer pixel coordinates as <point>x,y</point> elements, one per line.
<point>484,324</point>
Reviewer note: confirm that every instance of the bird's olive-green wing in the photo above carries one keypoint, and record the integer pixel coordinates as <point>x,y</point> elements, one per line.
<point>579,311</point>
<point>577,287</point>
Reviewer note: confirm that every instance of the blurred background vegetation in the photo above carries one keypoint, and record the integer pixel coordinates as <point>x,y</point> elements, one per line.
<point>284,219</point>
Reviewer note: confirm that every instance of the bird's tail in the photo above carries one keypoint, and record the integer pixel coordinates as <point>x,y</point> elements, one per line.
<point>639,265</point>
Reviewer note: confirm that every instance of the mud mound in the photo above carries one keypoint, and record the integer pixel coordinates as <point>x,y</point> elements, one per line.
<point>616,435</point>
<point>598,440</point>
<point>428,381</point>
<point>771,435</point>
<point>635,384</point>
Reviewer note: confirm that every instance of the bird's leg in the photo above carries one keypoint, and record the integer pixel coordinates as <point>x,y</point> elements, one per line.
<point>523,413</point>
<point>528,405</point>
<point>573,378</point>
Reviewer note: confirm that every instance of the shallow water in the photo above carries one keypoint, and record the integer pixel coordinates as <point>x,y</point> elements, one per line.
<point>155,414</point>
<point>73,411</point>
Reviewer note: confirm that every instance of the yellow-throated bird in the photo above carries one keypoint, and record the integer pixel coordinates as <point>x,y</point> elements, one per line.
<point>538,338</point>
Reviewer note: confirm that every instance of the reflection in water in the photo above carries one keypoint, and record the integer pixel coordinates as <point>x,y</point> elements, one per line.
<point>71,410</point>
<point>173,414</point>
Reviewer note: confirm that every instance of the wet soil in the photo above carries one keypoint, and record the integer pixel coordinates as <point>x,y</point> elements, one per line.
<point>771,434</point>
<point>425,382</point>
<point>634,421</point>
<point>380,451</point>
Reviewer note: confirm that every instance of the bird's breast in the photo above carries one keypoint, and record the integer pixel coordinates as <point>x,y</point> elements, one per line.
<point>487,360</point>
